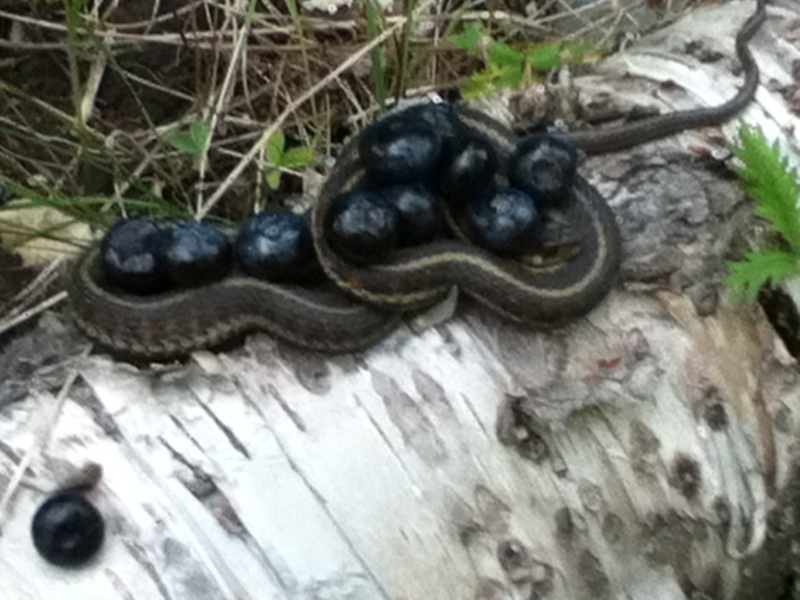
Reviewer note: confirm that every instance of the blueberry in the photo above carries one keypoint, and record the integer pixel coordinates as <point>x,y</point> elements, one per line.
<point>132,256</point>
<point>470,171</point>
<point>361,226</point>
<point>67,530</point>
<point>506,221</point>
<point>276,245</point>
<point>419,215</point>
<point>442,118</point>
<point>196,253</point>
<point>398,149</point>
<point>544,165</point>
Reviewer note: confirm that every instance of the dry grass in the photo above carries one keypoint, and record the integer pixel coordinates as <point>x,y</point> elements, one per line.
<point>160,108</point>
<point>91,94</point>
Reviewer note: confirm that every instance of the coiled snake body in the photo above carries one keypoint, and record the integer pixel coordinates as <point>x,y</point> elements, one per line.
<point>174,324</point>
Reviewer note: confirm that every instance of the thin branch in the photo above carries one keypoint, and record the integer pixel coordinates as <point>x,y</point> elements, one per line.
<point>32,312</point>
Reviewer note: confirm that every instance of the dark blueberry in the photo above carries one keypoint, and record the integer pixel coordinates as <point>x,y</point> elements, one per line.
<point>196,253</point>
<point>67,530</point>
<point>419,215</point>
<point>276,245</point>
<point>132,254</point>
<point>470,172</point>
<point>398,149</point>
<point>442,118</point>
<point>362,226</point>
<point>505,222</point>
<point>544,164</point>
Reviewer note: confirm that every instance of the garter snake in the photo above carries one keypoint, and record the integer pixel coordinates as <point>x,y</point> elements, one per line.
<point>661,126</point>
<point>176,323</point>
<point>413,277</point>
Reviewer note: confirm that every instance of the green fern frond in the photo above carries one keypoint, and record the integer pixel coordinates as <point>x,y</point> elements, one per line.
<point>768,179</point>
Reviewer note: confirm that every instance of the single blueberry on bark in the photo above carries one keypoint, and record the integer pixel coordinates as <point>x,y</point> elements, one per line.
<point>68,530</point>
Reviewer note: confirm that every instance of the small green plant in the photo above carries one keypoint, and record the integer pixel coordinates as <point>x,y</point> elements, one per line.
<point>508,66</point>
<point>768,179</point>
<point>279,157</point>
<point>194,140</point>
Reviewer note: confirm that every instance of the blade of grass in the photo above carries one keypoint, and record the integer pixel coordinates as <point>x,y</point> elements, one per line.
<point>73,10</point>
<point>403,58</point>
<point>374,25</point>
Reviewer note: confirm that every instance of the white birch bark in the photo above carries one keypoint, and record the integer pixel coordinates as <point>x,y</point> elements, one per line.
<point>647,451</point>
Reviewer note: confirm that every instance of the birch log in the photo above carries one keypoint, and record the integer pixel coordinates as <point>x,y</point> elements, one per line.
<point>648,451</point>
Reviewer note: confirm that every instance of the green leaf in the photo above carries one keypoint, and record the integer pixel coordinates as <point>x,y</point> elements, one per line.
<point>545,57</point>
<point>503,55</point>
<point>193,141</point>
<point>762,266</point>
<point>767,177</point>
<point>468,40</point>
<point>574,52</point>
<point>297,157</point>
<point>184,142</point>
<point>200,134</point>
<point>274,178</point>
<point>480,84</point>
<point>509,76</point>
<point>275,147</point>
